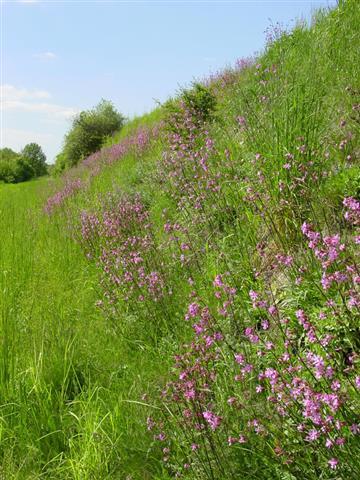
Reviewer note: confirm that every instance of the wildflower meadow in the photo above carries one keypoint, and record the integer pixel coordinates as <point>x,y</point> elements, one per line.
<point>185,302</point>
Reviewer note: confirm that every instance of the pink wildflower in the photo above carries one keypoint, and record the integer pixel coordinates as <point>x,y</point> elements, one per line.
<point>333,463</point>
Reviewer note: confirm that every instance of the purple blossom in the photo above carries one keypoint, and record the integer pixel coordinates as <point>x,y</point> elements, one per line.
<point>193,310</point>
<point>213,420</point>
<point>312,435</point>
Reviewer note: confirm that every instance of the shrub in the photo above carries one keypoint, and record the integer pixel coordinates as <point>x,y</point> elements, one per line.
<point>88,132</point>
<point>200,100</point>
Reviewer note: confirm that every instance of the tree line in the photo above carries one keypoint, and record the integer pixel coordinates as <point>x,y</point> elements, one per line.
<point>88,131</point>
<point>19,167</point>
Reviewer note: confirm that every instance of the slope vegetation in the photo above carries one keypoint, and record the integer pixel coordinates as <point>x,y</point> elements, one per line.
<point>185,303</point>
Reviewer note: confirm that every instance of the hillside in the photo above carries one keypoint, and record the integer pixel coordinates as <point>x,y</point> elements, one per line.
<point>185,302</point>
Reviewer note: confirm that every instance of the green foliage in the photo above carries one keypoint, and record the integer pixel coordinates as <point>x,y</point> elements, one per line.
<point>19,167</point>
<point>88,132</point>
<point>200,100</point>
<point>36,158</point>
<point>61,163</point>
<point>76,386</point>
<point>6,154</point>
<point>14,167</point>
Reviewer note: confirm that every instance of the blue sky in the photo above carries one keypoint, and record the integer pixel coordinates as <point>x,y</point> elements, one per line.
<point>60,57</point>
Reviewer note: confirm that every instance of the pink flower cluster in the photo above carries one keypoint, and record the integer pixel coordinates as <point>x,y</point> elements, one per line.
<point>136,143</point>
<point>186,163</point>
<point>119,238</point>
<point>286,361</point>
<point>339,268</point>
<point>70,188</point>
<point>352,214</point>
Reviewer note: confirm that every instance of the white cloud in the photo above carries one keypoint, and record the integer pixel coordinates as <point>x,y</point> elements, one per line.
<point>30,115</point>
<point>24,100</point>
<point>45,56</point>
<point>48,108</point>
<point>9,92</point>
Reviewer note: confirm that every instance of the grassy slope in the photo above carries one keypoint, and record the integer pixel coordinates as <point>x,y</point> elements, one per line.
<point>71,382</point>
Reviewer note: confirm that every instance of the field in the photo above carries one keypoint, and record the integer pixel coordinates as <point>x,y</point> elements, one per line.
<point>185,303</point>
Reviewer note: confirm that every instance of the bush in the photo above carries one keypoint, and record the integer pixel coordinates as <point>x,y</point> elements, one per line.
<point>200,100</point>
<point>60,164</point>
<point>88,132</point>
<point>197,103</point>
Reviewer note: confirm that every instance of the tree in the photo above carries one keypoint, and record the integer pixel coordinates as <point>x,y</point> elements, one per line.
<point>23,170</point>
<point>14,167</point>
<point>8,159</point>
<point>36,158</point>
<point>88,132</point>
<point>7,155</point>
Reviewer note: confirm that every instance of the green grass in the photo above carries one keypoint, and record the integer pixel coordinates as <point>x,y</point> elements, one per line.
<point>76,386</point>
<point>67,380</point>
